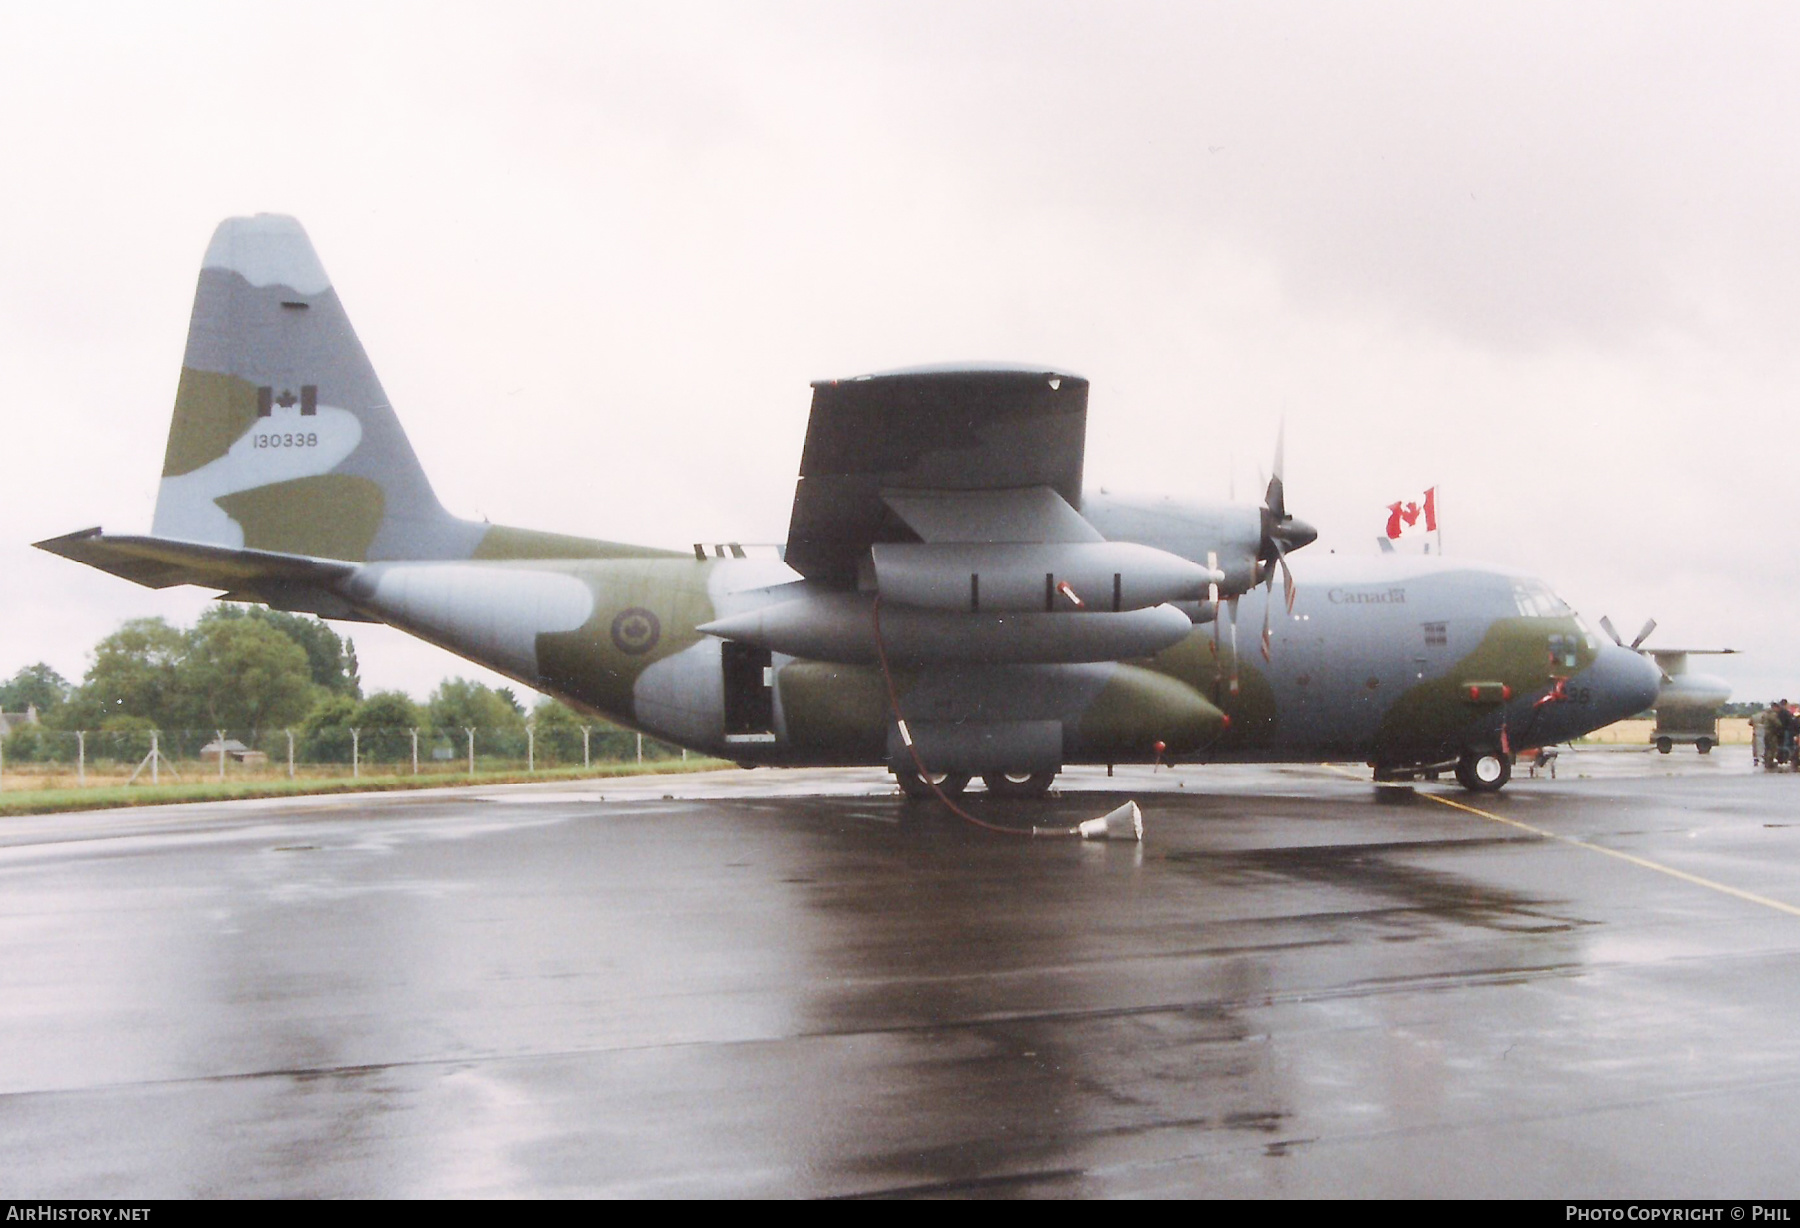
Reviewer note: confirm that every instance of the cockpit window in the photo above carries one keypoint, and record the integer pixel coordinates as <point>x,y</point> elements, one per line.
<point>1535,600</point>
<point>1564,652</point>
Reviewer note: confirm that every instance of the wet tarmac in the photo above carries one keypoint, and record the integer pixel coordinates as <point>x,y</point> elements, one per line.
<point>794,983</point>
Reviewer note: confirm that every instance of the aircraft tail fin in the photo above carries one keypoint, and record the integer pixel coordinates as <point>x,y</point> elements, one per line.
<point>282,439</point>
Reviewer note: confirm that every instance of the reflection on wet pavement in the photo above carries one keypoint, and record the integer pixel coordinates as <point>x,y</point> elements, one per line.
<point>797,983</point>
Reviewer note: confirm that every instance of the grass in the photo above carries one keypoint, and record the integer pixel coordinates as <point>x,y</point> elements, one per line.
<point>1732,731</point>
<point>105,797</point>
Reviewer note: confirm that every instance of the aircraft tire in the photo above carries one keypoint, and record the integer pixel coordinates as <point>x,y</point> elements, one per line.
<point>1483,771</point>
<point>1018,784</point>
<point>1664,745</point>
<point>1704,746</point>
<point>915,786</point>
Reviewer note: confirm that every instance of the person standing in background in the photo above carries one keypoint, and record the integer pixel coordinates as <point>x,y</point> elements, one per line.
<point>1761,725</point>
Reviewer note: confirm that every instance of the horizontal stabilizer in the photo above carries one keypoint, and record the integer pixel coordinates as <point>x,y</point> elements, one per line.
<point>160,562</point>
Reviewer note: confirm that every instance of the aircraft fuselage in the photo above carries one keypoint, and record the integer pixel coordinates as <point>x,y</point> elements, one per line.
<point>1397,661</point>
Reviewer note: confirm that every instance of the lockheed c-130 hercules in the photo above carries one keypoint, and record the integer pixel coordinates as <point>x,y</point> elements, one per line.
<point>949,601</point>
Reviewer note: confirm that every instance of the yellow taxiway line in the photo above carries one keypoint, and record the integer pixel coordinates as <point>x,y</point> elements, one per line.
<point>1643,862</point>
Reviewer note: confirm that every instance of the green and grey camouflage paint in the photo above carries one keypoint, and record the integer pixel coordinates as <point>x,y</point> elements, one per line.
<point>288,479</point>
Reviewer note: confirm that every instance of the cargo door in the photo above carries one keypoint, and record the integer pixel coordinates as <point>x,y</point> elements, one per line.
<point>749,694</point>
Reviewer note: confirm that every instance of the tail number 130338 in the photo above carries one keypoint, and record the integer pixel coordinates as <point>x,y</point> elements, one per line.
<point>293,439</point>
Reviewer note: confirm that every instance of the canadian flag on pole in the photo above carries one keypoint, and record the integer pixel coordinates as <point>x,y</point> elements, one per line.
<point>1405,516</point>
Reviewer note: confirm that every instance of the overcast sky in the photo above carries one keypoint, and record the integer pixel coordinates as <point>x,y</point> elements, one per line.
<point>1546,257</point>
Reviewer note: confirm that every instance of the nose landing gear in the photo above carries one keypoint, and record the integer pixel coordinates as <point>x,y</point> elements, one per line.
<point>1483,771</point>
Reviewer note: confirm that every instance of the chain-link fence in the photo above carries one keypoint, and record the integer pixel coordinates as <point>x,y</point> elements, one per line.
<point>34,756</point>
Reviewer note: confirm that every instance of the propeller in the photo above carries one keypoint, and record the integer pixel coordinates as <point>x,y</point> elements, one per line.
<point>1231,603</point>
<point>1606,626</point>
<point>1281,532</point>
<point>1635,645</point>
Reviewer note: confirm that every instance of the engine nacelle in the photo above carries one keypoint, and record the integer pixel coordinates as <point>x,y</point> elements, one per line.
<point>1228,533</point>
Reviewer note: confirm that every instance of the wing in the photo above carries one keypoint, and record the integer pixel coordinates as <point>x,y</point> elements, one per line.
<point>913,455</point>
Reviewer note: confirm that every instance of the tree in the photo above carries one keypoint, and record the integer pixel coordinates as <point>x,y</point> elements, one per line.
<point>28,744</point>
<point>330,659</point>
<point>386,719</point>
<point>136,672</point>
<point>325,734</point>
<point>459,703</point>
<point>243,674</point>
<point>559,737</point>
<point>126,738</point>
<point>235,670</point>
<point>558,732</point>
<point>35,686</point>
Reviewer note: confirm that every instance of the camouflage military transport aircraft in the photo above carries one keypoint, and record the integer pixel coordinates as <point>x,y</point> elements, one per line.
<point>945,580</point>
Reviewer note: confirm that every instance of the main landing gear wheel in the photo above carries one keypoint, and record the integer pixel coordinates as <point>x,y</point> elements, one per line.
<point>1018,784</point>
<point>1665,745</point>
<point>914,785</point>
<point>1483,771</point>
<point>1704,746</point>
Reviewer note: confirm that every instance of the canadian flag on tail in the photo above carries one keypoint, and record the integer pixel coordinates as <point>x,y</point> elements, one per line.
<point>1403,517</point>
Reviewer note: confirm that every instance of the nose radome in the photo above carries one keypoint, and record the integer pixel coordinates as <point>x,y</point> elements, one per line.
<point>1632,681</point>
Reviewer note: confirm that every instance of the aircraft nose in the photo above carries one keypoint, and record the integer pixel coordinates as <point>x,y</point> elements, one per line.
<point>1629,682</point>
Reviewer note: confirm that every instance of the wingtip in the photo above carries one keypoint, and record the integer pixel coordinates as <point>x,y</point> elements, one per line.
<point>50,543</point>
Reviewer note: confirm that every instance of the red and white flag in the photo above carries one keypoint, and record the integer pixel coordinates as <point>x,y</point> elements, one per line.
<point>1403,517</point>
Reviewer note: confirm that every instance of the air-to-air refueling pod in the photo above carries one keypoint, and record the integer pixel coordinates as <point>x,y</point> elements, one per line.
<point>1687,705</point>
<point>1040,577</point>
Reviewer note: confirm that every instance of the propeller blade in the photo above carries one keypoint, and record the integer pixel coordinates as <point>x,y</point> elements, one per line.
<point>1218,617</point>
<point>1606,626</point>
<point>1274,498</point>
<point>1234,651</point>
<point>1287,576</point>
<point>1645,633</point>
<point>1268,600</point>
